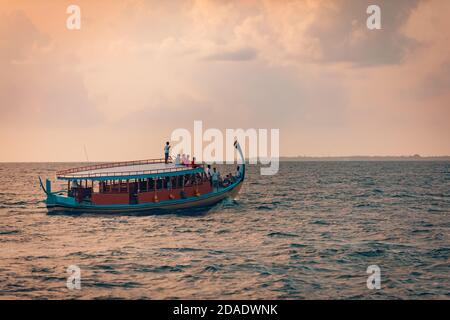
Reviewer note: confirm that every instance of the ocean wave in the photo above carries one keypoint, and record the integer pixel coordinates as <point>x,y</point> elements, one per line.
<point>281,234</point>
<point>308,232</point>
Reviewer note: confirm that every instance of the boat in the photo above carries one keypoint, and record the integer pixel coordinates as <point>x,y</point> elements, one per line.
<point>139,186</point>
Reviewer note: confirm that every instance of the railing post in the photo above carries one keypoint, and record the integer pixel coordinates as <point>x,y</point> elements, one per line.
<point>196,185</point>
<point>154,187</point>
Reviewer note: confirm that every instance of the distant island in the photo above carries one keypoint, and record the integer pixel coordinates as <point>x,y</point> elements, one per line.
<point>415,157</point>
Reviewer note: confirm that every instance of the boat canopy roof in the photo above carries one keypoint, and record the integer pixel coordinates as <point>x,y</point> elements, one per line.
<point>140,169</point>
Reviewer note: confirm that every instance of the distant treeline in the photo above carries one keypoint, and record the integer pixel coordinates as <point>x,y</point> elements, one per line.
<point>367,158</point>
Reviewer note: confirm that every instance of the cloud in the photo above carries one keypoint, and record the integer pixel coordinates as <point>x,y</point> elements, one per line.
<point>37,87</point>
<point>244,54</point>
<point>18,38</point>
<point>344,37</point>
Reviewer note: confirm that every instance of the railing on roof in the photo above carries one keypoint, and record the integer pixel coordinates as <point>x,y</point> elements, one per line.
<point>75,172</point>
<point>110,165</point>
<point>125,173</point>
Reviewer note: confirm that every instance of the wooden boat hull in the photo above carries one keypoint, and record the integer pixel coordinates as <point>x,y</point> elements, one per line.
<point>57,204</point>
<point>83,200</point>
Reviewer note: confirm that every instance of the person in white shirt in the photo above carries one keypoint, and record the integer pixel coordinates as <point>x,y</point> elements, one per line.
<point>215,179</point>
<point>208,173</point>
<point>177,160</point>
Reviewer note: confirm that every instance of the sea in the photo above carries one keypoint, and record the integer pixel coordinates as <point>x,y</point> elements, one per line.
<point>315,230</point>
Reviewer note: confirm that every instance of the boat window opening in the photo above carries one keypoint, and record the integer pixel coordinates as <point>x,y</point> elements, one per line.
<point>162,188</point>
<point>159,184</point>
<point>170,186</point>
<point>166,182</point>
<point>152,184</point>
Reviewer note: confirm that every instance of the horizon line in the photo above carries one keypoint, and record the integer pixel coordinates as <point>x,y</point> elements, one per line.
<point>281,158</point>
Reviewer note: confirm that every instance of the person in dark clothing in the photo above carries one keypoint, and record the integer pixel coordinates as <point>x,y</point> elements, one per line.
<point>166,152</point>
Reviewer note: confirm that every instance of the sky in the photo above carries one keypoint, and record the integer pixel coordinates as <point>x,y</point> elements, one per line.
<point>137,70</point>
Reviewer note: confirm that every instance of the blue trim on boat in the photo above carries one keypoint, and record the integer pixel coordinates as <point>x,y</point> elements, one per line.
<point>70,203</point>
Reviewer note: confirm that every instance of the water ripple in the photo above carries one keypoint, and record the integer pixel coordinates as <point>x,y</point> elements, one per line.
<point>310,231</point>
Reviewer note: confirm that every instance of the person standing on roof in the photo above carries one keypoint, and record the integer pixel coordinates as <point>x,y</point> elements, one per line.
<point>166,152</point>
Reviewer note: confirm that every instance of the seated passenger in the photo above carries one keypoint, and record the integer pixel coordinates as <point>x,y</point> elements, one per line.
<point>193,162</point>
<point>226,181</point>
<point>75,184</point>
<point>187,181</point>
